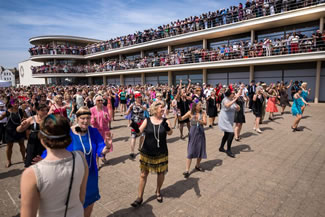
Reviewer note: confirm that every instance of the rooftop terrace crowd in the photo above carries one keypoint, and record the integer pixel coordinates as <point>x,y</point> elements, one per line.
<point>249,10</point>
<point>291,44</point>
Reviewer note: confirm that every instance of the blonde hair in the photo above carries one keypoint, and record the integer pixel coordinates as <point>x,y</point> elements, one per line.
<point>82,109</point>
<point>57,97</point>
<point>304,84</point>
<point>154,106</point>
<point>159,94</point>
<point>67,96</point>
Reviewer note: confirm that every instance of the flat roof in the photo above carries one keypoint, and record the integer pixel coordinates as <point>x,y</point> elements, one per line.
<point>48,38</point>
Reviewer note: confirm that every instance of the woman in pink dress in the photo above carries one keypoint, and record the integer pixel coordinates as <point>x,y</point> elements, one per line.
<point>110,106</point>
<point>100,118</point>
<point>271,103</point>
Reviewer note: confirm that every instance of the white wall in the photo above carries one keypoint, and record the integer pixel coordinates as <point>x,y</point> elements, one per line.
<point>7,75</point>
<point>25,73</point>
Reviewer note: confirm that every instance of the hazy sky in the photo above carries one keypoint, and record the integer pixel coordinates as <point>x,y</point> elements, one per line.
<point>102,19</point>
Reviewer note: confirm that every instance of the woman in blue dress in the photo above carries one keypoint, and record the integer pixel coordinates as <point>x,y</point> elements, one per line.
<point>304,94</point>
<point>89,141</point>
<point>296,109</point>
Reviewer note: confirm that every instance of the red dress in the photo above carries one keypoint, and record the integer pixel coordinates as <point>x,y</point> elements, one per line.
<point>271,105</point>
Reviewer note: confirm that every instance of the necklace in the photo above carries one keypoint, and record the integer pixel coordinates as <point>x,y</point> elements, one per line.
<point>10,118</point>
<point>154,134</point>
<point>83,146</point>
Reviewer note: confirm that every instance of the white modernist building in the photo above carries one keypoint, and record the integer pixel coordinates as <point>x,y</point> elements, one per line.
<point>8,76</point>
<point>25,73</point>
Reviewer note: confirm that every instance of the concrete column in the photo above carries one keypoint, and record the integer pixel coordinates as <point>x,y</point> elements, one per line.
<point>251,73</point>
<point>169,49</point>
<point>252,36</point>
<point>317,86</point>
<point>121,79</point>
<point>205,80</point>
<point>54,61</point>
<point>120,57</point>
<point>143,79</point>
<point>170,78</point>
<point>104,80</point>
<point>205,44</point>
<point>103,59</point>
<point>142,54</point>
<point>46,81</point>
<point>90,80</point>
<point>321,24</point>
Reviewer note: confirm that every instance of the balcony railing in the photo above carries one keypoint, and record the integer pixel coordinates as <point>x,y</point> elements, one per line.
<point>195,56</point>
<point>217,18</point>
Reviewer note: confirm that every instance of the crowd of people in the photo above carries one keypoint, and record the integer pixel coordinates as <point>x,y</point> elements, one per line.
<point>50,49</point>
<point>68,131</point>
<point>291,44</point>
<point>233,14</point>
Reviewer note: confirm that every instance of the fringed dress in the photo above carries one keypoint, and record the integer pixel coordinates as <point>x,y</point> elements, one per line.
<point>154,155</point>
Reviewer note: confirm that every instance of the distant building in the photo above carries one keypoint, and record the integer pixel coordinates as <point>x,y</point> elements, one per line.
<point>25,73</point>
<point>7,75</point>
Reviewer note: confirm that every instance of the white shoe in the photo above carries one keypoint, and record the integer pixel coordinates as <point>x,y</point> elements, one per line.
<point>258,130</point>
<point>254,128</point>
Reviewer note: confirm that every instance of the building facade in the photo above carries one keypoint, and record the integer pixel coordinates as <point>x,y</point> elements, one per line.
<point>25,73</point>
<point>261,48</point>
<point>7,75</point>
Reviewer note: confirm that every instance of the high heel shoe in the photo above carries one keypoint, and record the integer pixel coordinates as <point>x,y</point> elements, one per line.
<point>137,202</point>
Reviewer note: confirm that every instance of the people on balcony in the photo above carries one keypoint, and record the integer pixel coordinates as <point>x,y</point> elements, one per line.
<point>291,44</point>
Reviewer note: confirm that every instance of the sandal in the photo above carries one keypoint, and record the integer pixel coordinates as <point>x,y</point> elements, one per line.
<point>137,202</point>
<point>159,198</point>
<point>237,139</point>
<point>8,165</point>
<point>186,174</point>
<point>199,169</point>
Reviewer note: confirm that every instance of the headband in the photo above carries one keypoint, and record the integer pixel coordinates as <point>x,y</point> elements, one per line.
<point>52,137</point>
<point>83,113</point>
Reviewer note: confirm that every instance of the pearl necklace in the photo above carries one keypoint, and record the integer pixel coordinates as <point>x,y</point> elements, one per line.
<point>83,146</point>
<point>154,134</point>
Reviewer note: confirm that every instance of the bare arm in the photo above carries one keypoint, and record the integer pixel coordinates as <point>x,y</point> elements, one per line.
<point>24,125</point>
<point>143,126</point>
<point>204,119</point>
<point>83,186</point>
<point>187,115</point>
<point>289,84</point>
<point>30,197</point>
<point>170,132</point>
<point>3,116</point>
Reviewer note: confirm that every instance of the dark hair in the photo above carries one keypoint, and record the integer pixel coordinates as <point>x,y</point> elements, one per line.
<point>40,106</point>
<point>228,92</point>
<point>55,126</point>
<point>193,109</point>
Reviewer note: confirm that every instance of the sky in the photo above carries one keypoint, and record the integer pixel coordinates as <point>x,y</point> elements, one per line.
<point>98,19</point>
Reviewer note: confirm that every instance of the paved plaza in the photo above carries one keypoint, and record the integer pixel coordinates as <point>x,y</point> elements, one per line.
<point>276,173</point>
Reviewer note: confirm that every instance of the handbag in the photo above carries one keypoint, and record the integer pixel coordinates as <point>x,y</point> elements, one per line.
<point>70,186</point>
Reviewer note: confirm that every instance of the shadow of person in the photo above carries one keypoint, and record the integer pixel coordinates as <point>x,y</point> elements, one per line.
<point>172,140</point>
<point>177,189</point>
<point>143,210</point>
<point>303,127</point>
<point>209,165</point>
<point>124,138</point>
<point>241,148</point>
<point>305,117</point>
<point>266,128</point>
<point>117,127</point>
<point>10,173</point>
<point>247,134</point>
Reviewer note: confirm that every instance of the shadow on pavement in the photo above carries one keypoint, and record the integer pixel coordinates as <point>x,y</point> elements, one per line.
<point>179,188</point>
<point>209,165</point>
<point>247,134</point>
<point>305,117</point>
<point>172,140</point>
<point>303,127</point>
<point>117,127</point>
<point>125,138</point>
<point>241,148</point>
<point>144,210</point>
<point>10,173</point>
<point>266,128</point>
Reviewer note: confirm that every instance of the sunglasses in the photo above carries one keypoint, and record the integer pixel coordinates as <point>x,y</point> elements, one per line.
<point>100,100</point>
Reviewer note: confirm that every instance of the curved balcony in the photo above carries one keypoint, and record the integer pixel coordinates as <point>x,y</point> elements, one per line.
<point>304,14</point>
<point>66,38</point>
<point>190,61</point>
